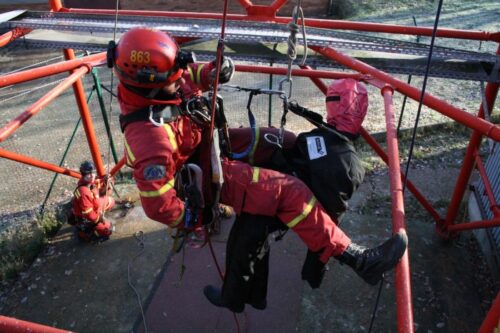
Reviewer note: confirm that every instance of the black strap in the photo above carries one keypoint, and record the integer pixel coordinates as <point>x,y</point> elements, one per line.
<point>141,115</point>
<point>332,98</point>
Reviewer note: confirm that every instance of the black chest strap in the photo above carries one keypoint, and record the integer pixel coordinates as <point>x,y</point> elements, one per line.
<point>142,115</point>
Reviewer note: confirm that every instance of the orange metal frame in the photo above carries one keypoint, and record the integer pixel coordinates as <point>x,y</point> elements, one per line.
<point>387,84</point>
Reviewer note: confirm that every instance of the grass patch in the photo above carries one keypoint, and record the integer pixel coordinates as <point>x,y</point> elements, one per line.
<point>21,243</point>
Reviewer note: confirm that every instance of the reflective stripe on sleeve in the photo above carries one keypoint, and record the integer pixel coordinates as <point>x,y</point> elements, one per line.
<point>87,211</point>
<point>198,74</point>
<point>171,136</point>
<point>191,75</point>
<point>130,155</point>
<point>302,215</point>
<point>77,194</point>
<point>164,189</point>
<point>254,148</point>
<point>179,220</point>
<point>255,175</point>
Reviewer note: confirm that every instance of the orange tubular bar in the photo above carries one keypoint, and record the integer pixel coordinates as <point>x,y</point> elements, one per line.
<point>88,126</point>
<point>37,163</point>
<point>299,72</point>
<point>8,37</point>
<point>56,5</point>
<point>118,166</point>
<point>481,125</point>
<point>413,189</point>
<point>490,93</point>
<point>13,325</point>
<point>492,322</point>
<point>44,71</point>
<point>14,124</point>
<point>487,185</point>
<point>403,284</point>
<point>316,23</point>
<point>475,225</point>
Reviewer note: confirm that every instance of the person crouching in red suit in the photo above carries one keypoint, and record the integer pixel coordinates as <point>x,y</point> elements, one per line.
<point>90,201</point>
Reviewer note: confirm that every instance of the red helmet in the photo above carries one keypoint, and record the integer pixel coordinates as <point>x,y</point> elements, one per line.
<point>346,105</point>
<point>146,58</point>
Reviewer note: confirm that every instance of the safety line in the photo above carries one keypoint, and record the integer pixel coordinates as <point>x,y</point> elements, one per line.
<point>422,94</point>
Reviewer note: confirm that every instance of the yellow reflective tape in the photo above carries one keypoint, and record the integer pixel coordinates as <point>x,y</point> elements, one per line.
<point>179,220</point>
<point>130,155</point>
<point>254,148</point>
<point>77,194</point>
<point>87,211</point>
<point>302,215</point>
<point>191,75</point>
<point>255,176</point>
<point>164,189</point>
<point>108,203</point>
<point>171,136</point>
<point>198,74</point>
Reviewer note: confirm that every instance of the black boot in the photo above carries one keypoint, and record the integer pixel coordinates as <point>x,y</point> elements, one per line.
<point>214,296</point>
<point>371,264</point>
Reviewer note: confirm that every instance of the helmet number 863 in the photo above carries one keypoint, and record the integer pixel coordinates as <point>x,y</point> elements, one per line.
<point>141,57</point>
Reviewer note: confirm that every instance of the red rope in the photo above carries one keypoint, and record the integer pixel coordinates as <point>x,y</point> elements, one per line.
<point>220,54</point>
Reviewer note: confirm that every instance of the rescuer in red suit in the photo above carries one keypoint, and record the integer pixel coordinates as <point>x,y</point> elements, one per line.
<point>156,76</point>
<point>90,200</point>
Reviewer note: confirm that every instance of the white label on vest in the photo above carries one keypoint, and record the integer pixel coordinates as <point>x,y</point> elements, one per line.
<point>316,147</point>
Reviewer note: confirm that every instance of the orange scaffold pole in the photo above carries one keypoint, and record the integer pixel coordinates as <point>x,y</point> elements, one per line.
<point>13,325</point>
<point>403,284</point>
<point>311,73</point>
<point>492,321</point>
<point>15,33</point>
<point>482,126</point>
<point>81,101</point>
<point>88,126</point>
<point>491,93</point>
<point>37,163</point>
<point>14,124</point>
<point>53,69</point>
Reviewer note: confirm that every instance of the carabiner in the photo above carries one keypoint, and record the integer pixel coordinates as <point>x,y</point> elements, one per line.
<point>289,80</point>
<point>152,120</point>
<point>272,139</point>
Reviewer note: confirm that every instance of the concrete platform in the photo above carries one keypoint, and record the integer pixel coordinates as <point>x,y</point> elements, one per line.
<point>178,304</point>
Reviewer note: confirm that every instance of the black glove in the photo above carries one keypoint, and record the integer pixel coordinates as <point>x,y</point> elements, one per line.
<point>198,108</point>
<point>226,70</point>
<point>313,269</point>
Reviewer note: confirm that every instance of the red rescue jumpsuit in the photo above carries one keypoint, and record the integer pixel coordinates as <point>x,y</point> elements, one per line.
<point>88,206</point>
<point>156,153</point>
